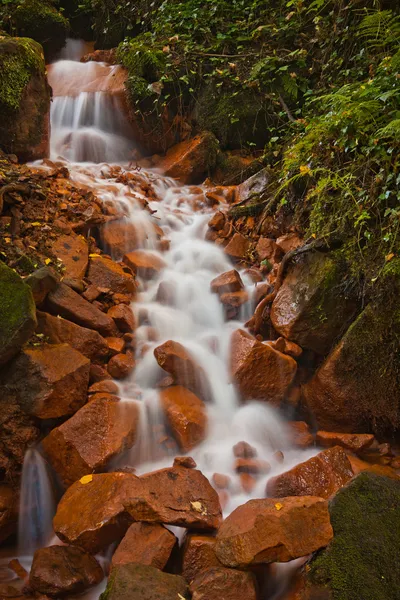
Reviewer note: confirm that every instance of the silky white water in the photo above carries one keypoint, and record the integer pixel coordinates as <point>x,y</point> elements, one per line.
<point>89,133</point>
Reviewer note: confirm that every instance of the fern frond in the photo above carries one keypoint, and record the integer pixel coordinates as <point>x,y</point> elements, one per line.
<point>381,29</point>
<point>391,130</point>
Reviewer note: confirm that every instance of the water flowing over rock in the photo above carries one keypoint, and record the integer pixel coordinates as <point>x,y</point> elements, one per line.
<point>63,570</point>
<point>146,544</point>
<point>217,583</point>
<point>191,161</point>
<point>273,530</point>
<point>144,264</point>
<point>143,582</point>
<point>186,416</point>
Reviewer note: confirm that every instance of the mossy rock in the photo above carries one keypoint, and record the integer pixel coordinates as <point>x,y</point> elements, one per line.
<point>41,21</point>
<point>142,58</point>
<point>17,313</point>
<point>24,99</point>
<point>362,561</point>
<point>142,582</point>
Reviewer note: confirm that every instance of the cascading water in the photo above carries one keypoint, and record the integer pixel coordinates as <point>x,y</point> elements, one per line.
<point>89,130</point>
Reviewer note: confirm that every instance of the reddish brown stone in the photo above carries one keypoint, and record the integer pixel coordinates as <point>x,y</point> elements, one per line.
<point>248,482</point>
<point>358,466</point>
<point>289,241</point>
<point>217,221</point>
<point>287,347</point>
<point>273,530</point>
<point>186,416</point>
<point>198,555</point>
<point>63,570</point>
<point>229,584</point>
<point>227,282</point>
<point>144,264</point>
<point>323,475</point>
<point>60,331</point>
<point>115,345</point>
<point>178,362</point>
<point>238,247</point>
<point>221,481</point>
<point>121,366</point>
<point>355,442</point>
<point>68,304</point>
<point>119,237</point>
<point>91,293</point>
<point>107,274</point>
<point>185,461</point>
<point>190,161</point>
<point>234,299</point>
<point>92,437</point>
<point>244,450</point>
<point>300,434</point>
<point>72,251</point>
<point>267,249</point>
<point>254,466</point>
<point>145,544</point>
<point>123,317</point>
<point>98,373</point>
<point>259,371</point>
<point>8,512</point>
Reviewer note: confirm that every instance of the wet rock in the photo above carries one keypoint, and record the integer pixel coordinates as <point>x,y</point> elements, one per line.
<point>300,434</point>
<point>60,331</point>
<point>73,252</point>
<point>18,432</point>
<point>63,570</point>
<point>244,450</point>
<point>323,475</point>
<point>217,221</point>
<point>232,301</point>
<point>107,274</point>
<point>267,249</point>
<point>42,282</point>
<point>143,582</point>
<point>17,313</point>
<point>238,247</point>
<point>177,496</point>
<point>146,544</point>
<point>227,282</point>
<point>247,481</point>
<point>115,345</point>
<point>287,347</point>
<point>98,373</point>
<point>358,466</point>
<point>121,366</point>
<point>70,305</point>
<point>221,481</point>
<point>273,530</point>
<point>120,237</point>
<point>253,466</point>
<point>259,371</point>
<point>144,264</point>
<point>192,160</point>
<point>289,241</point>
<point>123,317</point>
<point>8,512</point>
<point>186,416</point>
<point>362,559</point>
<point>185,461</point>
<point>355,442</point>
<point>102,517</point>
<point>312,307</point>
<point>48,382</point>
<point>85,443</point>
<point>178,362</point>
<point>229,584</point>
<point>198,555</point>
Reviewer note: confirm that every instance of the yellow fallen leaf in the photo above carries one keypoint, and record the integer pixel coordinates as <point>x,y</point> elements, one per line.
<point>93,255</point>
<point>36,224</point>
<point>278,506</point>
<point>389,257</point>
<point>86,479</point>
<point>305,169</point>
<point>47,261</point>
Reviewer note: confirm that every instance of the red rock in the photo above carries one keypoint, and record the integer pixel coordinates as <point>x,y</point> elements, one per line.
<point>115,345</point>
<point>63,570</point>
<point>73,252</point>
<point>50,381</point>
<point>60,331</point>
<point>261,290</point>
<point>287,347</point>
<point>358,466</point>
<point>142,582</point>
<point>267,249</point>
<point>121,299</point>
<point>123,317</point>
<point>186,416</point>
<point>198,555</point>
<point>102,517</point>
<point>185,461</point>
<point>70,305</point>
<point>191,160</point>
<point>289,241</point>
<point>91,293</point>
<point>221,481</point>
<point>244,450</point>
<point>177,496</point>
<point>92,437</point>
<point>300,434</point>
<point>144,264</point>
<point>217,221</point>
<point>178,362</point>
<point>218,582</point>
<point>238,247</point>
<point>104,396</point>
<point>121,366</point>
<point>119,237</point>
<point>227,282</point>
<point>279,456</point>
<point>253,466</point>
<point>98,373</point>
<point>41,282</point>
<point>234,299</point>
<point>355,442</point>
<point>145,544</point>
<point>8,512</point>
<point>273,530</point>
<point>248,482</point>
<point>323,475</point>
<point>259,371</point>
<point>107,274</point>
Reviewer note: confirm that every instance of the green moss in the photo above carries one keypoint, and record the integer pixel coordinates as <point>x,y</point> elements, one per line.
<point>138,89</point>
<point>361,562</point>
<point>20,58</point>
<point>41,21</point>
<point>142,59</point>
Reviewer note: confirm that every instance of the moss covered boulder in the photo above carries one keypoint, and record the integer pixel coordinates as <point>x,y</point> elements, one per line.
<point>17,313</point>
<point>141,582</point>
<point>41,21</point>
<point>314,304</point>
<point>362,560</point>
<point>24,99</point>
<point>357,388</point>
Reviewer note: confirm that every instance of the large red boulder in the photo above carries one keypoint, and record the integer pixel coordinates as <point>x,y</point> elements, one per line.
<point>85,443</point>
<point>227,282</point>
<point>218,582</point>
<point>63,570</point>
<point>273,530</point>
<point>323,475</point>
<point>146,544</point>
<point>238,247</point>
<point>198,555</point>
<point>186,415</point>
<point>354,442</point>
<point>259,371</point>
<point>123,317</point>
<point>73,252</point>
<point>144,264</point>
<point>192,160</point>
<point>106,274</point>
<point>122,236</point>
